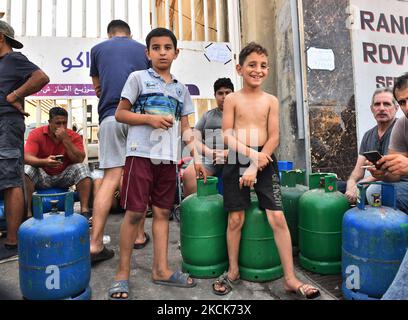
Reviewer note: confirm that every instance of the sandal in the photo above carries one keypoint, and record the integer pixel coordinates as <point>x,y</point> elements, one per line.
<point>306,291</point>
<point>225,282</point>
<point>143,244</point>
<point>103,255</point>
<point>177,279</point>
<point>119,286</point>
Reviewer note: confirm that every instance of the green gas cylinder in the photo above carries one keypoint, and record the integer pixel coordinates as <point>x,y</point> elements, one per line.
<point>321,211</point>
<point>258,256</point>
<point>292,189</point>
<point>203,228</point>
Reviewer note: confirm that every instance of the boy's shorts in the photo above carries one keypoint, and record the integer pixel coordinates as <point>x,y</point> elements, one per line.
<point>112,137</point>
<point>267,187</point>
<point>146,183</point>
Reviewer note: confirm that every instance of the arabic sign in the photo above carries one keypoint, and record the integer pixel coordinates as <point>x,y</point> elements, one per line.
<point>379,51</point>
<point>67,61</point>
<point>68,64</point>
<point>66,90</point>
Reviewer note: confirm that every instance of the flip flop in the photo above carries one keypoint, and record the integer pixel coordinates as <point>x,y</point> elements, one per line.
<point>105,254</point>
<point>119,286</point>
<point>177,279</point>
<point>226,282</point>
<point>142,245</point>
<point>8,250</point>
<point>306,291</point>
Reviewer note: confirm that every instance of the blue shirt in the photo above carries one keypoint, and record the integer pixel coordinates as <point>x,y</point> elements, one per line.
<point>149,93</point>
<point>15,69</point>
<point>112,61</point>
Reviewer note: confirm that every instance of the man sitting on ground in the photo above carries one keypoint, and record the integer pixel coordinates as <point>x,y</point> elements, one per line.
<point>384,108</point>
<point>213,152</point>
<point>44,169</point>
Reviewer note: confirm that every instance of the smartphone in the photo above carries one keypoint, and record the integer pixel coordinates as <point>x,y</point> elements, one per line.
<point>59,158</point>
<point>373,157</point>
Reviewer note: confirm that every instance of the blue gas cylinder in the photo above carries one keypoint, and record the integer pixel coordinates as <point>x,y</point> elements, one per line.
<point>375,239</point>
<point>52,194</point>
<point>54,253</point>
<point>3,223</point>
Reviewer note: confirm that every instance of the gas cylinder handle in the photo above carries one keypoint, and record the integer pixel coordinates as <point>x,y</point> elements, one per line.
<point>288,178</point>
<point>69,203</point>
<point>388,196</point>
<point>208,188</point>
<point>38,207</point>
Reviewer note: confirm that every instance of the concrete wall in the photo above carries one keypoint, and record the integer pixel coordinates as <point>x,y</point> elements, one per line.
<point>269,23</point>
<point>331,93</point>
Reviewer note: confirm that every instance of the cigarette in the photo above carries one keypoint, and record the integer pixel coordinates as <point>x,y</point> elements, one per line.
<point>367,167</point>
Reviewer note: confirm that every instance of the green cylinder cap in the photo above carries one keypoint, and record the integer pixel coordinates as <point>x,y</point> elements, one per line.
<point>207,189</point>
<point>330,183</point>
<point>315,180</point>
<point>301,177</point>
<point>289,178</point>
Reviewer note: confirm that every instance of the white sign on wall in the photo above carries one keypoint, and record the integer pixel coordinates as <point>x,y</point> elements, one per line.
<point>380,51</point>
<point>67,63</point>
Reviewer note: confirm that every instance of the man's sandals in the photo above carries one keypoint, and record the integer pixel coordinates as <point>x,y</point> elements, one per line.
<point>224,282</point>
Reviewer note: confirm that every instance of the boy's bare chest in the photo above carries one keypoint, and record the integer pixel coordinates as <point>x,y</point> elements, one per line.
<point>251,112</point>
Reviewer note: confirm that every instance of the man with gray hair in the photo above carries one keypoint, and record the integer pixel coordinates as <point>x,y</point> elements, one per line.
<point>394,168</point>
<point>384,108</point>
<point>19,78</point>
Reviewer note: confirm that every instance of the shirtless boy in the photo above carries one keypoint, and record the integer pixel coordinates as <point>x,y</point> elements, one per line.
<point>251,131</point>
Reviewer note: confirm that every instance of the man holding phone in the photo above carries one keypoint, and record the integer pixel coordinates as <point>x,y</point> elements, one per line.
<point>394,166</point>
<point>54,156</point>
<point>384,108</point>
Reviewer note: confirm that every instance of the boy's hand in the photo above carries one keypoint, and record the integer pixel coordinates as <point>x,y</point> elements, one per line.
<point>248,179</point>
<point>261,160</point>
<point>162,122</point>
<point>16,103</point>
<point>201,173</point>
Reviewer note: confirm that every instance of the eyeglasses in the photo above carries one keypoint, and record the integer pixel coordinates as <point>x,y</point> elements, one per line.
<point>403,102</point>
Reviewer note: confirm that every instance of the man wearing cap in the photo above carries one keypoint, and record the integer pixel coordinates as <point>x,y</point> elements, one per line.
<point>19,78</point>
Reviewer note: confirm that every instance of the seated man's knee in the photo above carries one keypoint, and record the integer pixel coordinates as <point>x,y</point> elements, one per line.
<point>236,221</point>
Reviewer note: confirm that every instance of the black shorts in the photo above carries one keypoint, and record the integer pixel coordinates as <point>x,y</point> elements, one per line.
<point>11,151</point>
<point>267,187</point>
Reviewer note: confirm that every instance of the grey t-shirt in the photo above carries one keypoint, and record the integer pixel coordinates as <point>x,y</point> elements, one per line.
<point>371,142</point>
<point>210,127</point>
<point>399,136</point>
